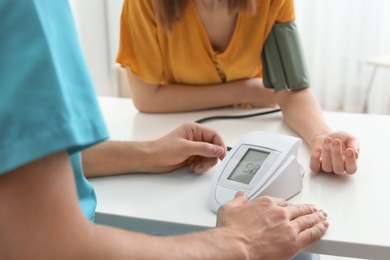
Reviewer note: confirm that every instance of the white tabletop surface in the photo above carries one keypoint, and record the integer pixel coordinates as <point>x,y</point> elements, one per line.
<point>380,61</point>
<point>358,205</point>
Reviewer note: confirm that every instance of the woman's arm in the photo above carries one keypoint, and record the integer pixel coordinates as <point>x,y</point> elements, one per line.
<point>180,98</point>
<point>303,114</point>
<point>330,151</point>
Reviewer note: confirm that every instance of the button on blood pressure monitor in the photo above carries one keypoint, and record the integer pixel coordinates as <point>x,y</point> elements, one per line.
<point>261,163</point>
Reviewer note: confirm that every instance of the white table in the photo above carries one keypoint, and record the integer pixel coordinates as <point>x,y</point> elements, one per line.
<point>383,61</point>
<point>376,62</point>
<point>174,203</point>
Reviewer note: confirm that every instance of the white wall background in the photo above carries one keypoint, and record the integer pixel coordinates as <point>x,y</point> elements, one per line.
<point>338,37</point>
<point>98,26</point>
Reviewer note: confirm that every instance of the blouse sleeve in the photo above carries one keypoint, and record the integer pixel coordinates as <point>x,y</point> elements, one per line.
<point>138,46</point>
<point>286,12</point>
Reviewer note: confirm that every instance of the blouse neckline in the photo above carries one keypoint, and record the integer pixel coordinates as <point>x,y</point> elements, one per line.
<point>205,37</point>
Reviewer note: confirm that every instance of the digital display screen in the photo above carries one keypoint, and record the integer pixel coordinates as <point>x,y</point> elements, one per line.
<point>248,166</point>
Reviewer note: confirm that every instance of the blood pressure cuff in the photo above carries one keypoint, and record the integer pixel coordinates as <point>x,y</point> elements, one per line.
<point>284,66</point>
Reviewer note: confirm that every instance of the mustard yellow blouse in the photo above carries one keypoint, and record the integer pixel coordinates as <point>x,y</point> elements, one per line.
<point>186,56</point>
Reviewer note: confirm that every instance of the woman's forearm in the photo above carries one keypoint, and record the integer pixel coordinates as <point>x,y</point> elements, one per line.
<point>303,114</point>
<point>182,98</point>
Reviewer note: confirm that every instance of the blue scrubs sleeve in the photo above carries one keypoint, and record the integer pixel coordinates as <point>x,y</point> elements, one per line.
<point>47,98</point>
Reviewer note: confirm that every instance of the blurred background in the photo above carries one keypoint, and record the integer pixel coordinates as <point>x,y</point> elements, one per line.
<point>346,45</point>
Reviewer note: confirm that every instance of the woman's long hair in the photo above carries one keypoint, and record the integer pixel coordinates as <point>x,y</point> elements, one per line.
<point>169,11</point>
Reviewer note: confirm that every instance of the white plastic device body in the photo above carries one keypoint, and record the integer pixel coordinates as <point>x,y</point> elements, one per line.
<point>261,163</point>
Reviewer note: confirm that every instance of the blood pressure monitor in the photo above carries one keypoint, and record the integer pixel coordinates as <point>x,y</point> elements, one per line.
<point>261,163</point>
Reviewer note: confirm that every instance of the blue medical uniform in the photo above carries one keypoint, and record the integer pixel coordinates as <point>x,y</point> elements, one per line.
<point>47,98</point>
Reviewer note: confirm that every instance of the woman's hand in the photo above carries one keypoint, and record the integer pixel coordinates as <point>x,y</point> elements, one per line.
<point>337,152</point>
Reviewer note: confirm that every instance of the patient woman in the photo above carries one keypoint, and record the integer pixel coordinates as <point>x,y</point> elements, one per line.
<point>186,55</point>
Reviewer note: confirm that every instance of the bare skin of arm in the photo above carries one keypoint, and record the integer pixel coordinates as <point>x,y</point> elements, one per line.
<point>41,219</point>
<point>331,151</point>
<point>190,144</point>
<point>152,98</point>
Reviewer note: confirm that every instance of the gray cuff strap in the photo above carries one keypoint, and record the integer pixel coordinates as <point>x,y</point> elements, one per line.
<point>284,66</point>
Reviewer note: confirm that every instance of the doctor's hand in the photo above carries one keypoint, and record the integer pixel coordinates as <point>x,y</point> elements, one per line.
<point>271,228</point>
<point>190,144</point>
<point>337,152</point>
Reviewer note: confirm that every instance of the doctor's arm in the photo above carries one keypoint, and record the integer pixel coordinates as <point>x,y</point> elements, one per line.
<point>331,151</point>
<point>190,144</point>
<point>168,98</point>
<point>41,219</point>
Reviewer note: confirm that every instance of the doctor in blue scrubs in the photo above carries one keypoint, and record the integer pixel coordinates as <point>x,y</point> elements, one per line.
<point>52,136</point>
